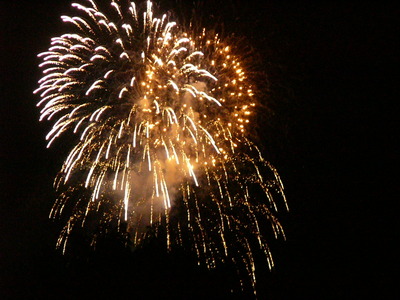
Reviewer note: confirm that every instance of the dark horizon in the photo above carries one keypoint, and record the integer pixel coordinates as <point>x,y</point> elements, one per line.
<point>330,134</point>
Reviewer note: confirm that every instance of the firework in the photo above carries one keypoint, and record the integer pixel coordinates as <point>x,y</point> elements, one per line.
<point>161,114</point>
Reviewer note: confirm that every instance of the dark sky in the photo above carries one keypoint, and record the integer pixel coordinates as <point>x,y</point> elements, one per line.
<point>333,74</point>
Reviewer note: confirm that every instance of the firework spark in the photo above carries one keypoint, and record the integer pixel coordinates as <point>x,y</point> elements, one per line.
<point>162,115</point>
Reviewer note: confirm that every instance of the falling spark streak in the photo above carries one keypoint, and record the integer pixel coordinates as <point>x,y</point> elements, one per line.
<point>142,90</point>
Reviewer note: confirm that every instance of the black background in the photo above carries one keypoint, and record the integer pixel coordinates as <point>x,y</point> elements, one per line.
<point>333,74</point>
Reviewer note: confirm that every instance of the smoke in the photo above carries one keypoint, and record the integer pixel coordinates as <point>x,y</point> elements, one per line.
<point>154,190</point>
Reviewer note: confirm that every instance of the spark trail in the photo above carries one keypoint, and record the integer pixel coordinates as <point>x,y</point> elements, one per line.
<point>161,114</point>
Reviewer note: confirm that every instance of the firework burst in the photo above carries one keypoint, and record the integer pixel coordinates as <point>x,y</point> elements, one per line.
<point>161,114</point>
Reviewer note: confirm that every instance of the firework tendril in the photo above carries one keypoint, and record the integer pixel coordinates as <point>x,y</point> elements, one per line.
<point>161,114</point>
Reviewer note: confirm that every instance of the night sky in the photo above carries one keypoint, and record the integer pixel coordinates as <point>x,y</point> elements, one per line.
<point>332,72</point>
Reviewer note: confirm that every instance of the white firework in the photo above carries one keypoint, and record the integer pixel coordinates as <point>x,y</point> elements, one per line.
<point>161,114</point>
